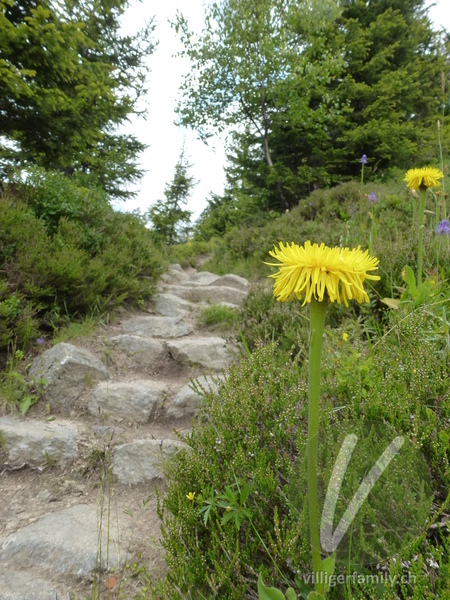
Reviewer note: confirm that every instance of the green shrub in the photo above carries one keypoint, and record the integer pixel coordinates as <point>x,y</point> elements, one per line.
<point>59,266</point>
<point>249,438</point>
<point>240,522</point>
<point>218,317</point>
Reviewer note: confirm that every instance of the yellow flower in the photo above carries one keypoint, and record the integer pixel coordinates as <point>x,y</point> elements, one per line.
<point>190,496</point>
<point>425,177</point>
<point>320,271</point>
<point>345,336</point>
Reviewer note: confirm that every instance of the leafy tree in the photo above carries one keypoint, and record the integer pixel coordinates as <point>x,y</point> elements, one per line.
<point>169,217</point>
<point>333,85</point>
<point>68,79</point>
<point>247,60</point>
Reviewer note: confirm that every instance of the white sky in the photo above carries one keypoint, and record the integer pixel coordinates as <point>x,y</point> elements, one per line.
<point>163,137</point>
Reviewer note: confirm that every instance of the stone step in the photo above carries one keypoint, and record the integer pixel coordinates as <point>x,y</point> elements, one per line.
<point>169,305</point>
<point>142,461</point>
<point>209,352</point>
<point>210,294</point>
<point>21,585</point>
<point>63,543</point>
<point>67,371</point>
<point>156,327</point>
<point>186,402</point>
<point>37,443</point>
<point>137,401</point>
<point>144,351</point>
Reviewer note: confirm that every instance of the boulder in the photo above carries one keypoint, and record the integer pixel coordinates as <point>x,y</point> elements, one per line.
<point>142,461</point>
<point>37,443</point>
<point>136,401</point>
<point>68,371</point>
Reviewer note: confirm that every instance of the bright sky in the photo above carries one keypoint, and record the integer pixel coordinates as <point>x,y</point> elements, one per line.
<point>163,137</point>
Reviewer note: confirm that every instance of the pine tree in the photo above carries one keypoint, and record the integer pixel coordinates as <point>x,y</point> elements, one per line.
<point>169,218</point>
<point>68,79</point>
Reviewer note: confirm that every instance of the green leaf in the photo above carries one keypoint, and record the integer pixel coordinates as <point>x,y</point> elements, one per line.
<point>431,415</point>
<point>393,303</point>
<point>410,280</point>
<point>266,593</point>
<point>315,596</point>
<point>327,567</point>
<point>25,403</point>
<point>291,594</point>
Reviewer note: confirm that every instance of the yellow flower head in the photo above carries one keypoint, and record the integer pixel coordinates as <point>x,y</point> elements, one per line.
<point>320,271</point>
<point>190,496</point>
<point>423,178</point>
<point>345,337</point>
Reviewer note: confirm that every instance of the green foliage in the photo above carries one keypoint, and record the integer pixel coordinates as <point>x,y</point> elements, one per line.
<point>14,387</point>
<point>238,466</point>
<point>168,216</point>
<point>218,317</point>
<point>188,254</point>
<point>307,96</point>
<point>255,64</point>
<point>239,522</point>
<point>78,257</point>
<point>68,78</point>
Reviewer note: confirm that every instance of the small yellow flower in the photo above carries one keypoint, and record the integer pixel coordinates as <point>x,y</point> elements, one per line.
<point>320,271</point>
<point>190,496</point>
<point>345,337</point>
<point>425,177</point>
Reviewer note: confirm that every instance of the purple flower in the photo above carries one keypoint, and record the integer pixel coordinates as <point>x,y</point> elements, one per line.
<point>443,228</point>
<point>372,197</point>
<point>40,341</point>
<point>363,159</point>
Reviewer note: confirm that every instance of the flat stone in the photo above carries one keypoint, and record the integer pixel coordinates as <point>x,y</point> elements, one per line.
<point>209,293</point>
<point>68,371</point>
<point>143,460</point>
<point>36,443</point>
<point>233,281</point>
<point>169,305</point>
<point>209,352</point>
<point>15,585</point>
<point>186,402</point>
<point>203,278</point>
<point>158,327</point>
<point>64,543</point>
<point>135,401</point>
<point>144,351</point>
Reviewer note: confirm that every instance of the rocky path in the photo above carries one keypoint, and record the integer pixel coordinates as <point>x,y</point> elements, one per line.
<point>78,473</point>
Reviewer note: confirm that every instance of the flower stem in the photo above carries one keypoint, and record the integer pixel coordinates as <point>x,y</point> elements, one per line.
<point>361,203</point>
<point>423,192</point>
<point>317,315</point>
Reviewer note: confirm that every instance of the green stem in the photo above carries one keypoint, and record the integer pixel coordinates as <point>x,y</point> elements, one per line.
<point>317,316</point>
<point>423,192</point>
<point>361,203</point>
